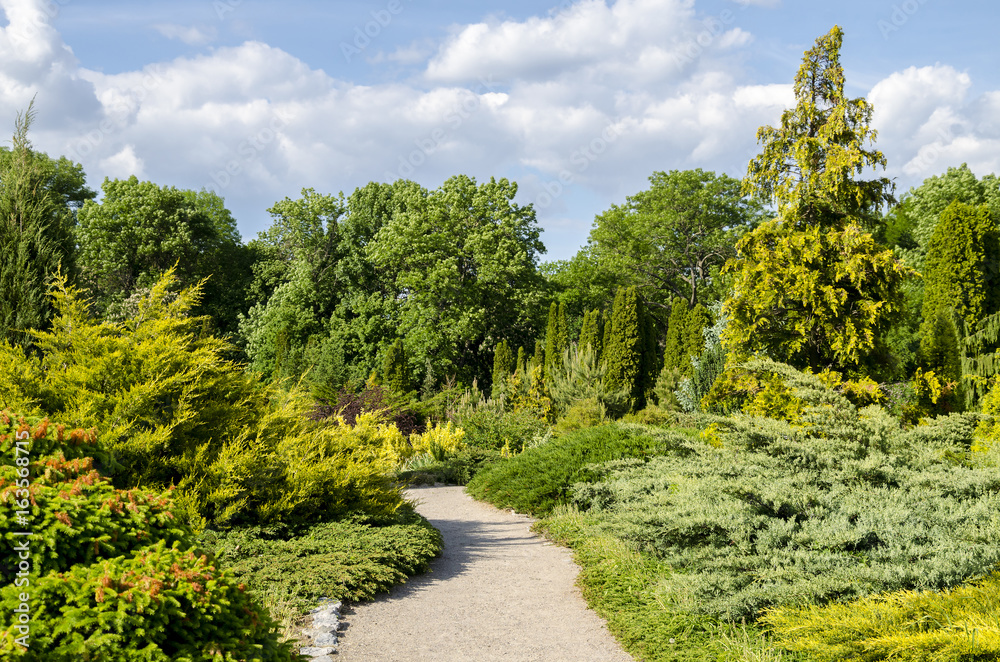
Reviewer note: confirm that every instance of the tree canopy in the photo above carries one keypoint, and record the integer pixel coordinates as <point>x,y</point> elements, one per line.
<point>668,240</point>
<point>140,230</point>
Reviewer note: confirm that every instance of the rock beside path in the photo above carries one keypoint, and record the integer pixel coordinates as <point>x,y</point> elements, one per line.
<point>498,592</point>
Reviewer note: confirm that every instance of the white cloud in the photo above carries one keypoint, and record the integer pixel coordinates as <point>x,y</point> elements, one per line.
<point>124,164</point>
<point>192,35</point>
<point>585,102</point>
<point>926,122</point>
<point>33,59</point>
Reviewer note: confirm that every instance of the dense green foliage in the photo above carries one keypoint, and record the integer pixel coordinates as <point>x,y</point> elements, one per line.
<point>139,231</point>
<point>173,410</point>
<point>960,266</point>
<point>556,337</point>
<point>783,512</point>
<point>629,353</point>
<point>396,371</point>
<point>537,479</point>
<point>38,197</point>
<point>334,560</point>
<point>668,241</point>
<point>591,333</point>
<point>111,574</point>
<point>452,271</point>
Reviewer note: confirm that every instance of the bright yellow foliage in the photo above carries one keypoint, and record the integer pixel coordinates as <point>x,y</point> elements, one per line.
<point>905,626</point>
<point>440,441</point>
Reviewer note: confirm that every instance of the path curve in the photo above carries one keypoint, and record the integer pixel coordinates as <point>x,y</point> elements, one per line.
<point>498,592</point>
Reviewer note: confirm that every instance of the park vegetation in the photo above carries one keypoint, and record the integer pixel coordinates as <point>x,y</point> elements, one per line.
<point>762,412</point>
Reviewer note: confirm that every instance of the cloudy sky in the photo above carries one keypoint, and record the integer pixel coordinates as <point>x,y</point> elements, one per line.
<point>579,102</point>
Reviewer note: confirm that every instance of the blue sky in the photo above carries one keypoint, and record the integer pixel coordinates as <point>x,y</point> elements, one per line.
<point>579,102</point>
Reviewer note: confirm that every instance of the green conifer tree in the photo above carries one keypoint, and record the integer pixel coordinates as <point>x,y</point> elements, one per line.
<point>676,341</point>
<point>812,287</point>
<point>551,339</point>
<point>960,269</point>
<point>395,372</point>
<point>694,338</point>
<point>650,356</point>
<point>590,333</point>
<point>623,353</point>
<point>538,360</point>
<point>503,366</point>
<point>34,243</point>
<point>562,329</point>
<point>520,365</point>
<point>940,345</point>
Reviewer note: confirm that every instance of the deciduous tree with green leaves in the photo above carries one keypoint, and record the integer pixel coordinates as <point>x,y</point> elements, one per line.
<point>668,239</point>
<point>812,287</point>
<point>140,230</point>
<point>464,263</point>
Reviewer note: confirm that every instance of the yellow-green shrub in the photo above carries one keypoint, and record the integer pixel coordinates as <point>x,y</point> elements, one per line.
<point>172,410</point>
<point>754,392</point>
<point>988,431</point>
<point>440,440</point>
<point>917,626</point>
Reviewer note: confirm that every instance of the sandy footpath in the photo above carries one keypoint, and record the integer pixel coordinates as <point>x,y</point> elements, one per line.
<point>498,592</point>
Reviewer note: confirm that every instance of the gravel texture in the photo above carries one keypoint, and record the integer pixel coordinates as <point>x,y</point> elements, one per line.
<point>498,592</point>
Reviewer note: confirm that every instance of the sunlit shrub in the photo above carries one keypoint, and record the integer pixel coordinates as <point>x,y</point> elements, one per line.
<point>440,441</point>
<point>171,410</point>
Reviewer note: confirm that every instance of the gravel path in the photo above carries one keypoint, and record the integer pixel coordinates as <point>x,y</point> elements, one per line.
<point>499,592</point>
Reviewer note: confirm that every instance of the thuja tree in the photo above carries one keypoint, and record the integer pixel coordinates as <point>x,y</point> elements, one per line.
<point>503,365</point>
<point>629,353</point>
<point>556,337</point>
<point>960,268</point>
<point>396,371</point>
<point>812,287</point>
<point>960,283</point>
<point>590,333</point>
<point>673,351</point>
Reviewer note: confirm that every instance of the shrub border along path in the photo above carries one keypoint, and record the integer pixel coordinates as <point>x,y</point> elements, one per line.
<point>498,592</point>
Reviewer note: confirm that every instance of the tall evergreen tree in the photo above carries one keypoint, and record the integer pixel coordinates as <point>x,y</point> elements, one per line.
<point>812,287</point>
<point>650,359</point>
<point>960,268</point>
<point>624,351</point>
<point>590,333</point>
<point>396,371</point>
<point>551,333</point>
<point>35,240</point>
<point>503,365</point>
<point>673,350</point>
<point>694,338</point>
<point>521,364</point>
<point>940,345</point>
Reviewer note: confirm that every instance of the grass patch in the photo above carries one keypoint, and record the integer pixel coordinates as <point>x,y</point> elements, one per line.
<point>338,560</point>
